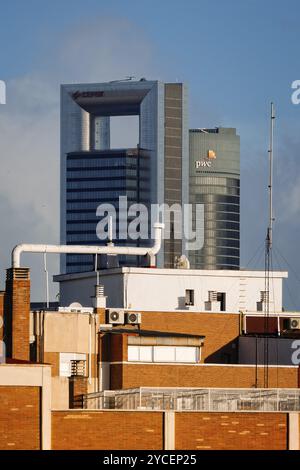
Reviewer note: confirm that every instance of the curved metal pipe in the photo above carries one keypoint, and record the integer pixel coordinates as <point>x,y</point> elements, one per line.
<point>86,249</point>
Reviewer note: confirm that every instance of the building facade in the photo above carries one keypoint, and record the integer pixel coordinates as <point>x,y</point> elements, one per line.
<point>166,374</point>
<point>103,176</point>
<point>92,173</point>
<point>175,290</point>
<point>215,182</point>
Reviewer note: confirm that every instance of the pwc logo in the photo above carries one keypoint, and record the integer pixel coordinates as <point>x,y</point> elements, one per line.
<point>207,162</point>
<point>2,92</point>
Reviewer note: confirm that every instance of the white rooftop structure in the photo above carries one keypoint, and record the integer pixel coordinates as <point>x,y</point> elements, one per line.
<point>168,290</point>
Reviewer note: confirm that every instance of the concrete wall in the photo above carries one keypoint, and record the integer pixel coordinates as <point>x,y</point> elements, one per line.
<point>164,289</point>
<point>69,333</point>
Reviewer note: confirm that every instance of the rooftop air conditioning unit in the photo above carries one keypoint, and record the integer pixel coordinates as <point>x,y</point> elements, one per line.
<point>115,316</point>
<point>293,324</point>
<point>133,318</point>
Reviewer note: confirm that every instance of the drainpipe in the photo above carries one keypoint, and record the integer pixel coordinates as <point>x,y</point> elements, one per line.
<point>90,347</point>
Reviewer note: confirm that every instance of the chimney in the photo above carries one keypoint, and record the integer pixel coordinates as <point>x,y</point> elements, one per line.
<point>99,302</point>
<point>2,296</point>
<point>17,313</point>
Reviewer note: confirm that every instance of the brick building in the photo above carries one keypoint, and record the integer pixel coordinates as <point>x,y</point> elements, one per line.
<point>74,374</point>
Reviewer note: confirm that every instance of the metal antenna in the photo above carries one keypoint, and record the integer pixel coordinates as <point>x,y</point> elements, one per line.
<point>268,252</point>
<point>271,218</point>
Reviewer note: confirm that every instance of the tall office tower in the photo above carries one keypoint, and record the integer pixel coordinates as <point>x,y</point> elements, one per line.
<point>92,173</point>
<point>215,182</point>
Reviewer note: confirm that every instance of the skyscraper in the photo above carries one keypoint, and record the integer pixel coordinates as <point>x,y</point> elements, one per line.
<point>215,182</point>
<point>155,172</point>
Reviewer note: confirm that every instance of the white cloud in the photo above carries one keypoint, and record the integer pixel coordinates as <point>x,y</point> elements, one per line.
<point>98,50</point>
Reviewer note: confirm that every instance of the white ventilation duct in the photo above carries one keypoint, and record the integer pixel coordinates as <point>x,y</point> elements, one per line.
<point>110,249</point>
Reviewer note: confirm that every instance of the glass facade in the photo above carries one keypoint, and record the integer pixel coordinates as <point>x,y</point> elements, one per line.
<point>215,183</point>
<point>97,177</point>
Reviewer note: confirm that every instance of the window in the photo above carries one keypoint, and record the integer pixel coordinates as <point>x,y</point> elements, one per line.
<point>71,363</point>
<point>140,353</point>
<point>189,297</point>
<point>164,354</point>
<point>167,354</point>
<point>221,297</point>
<point>214,296</point>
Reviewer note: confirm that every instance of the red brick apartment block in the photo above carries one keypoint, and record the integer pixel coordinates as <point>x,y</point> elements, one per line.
<point>17,311</point>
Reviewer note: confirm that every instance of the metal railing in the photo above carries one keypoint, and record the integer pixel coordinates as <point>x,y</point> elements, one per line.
<point>195,399</point>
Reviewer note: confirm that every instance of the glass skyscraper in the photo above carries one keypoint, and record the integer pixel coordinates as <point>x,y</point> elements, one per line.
<point>155,172</point>
<point>101,177</point>
<point>215,182</point>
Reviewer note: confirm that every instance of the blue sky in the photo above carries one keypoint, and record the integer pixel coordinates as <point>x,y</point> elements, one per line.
<point>236,56</point>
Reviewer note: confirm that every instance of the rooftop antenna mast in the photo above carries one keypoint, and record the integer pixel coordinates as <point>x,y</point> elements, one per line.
<point>271,218</point>
<point>268,252</point>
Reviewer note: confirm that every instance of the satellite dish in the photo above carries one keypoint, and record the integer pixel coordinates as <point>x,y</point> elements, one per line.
<point>182,262</point>
<point>75,305</point>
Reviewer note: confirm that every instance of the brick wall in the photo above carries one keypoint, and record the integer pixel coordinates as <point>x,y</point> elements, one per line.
<point>78,386</point>
<point>220,330</point>
<point>17,311</point>
<point>53,359</point>
<point>132,430</point>
<point>118,430</point>
<point>19,418</point>
<point>231,431</point>
<point>157,375</point>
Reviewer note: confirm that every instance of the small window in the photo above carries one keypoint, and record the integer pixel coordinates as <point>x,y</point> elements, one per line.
<point>140,353</point>
<point>189,297</point>
<point>221,297</point>
<point>145,354</point>
<point>70,363</point>
<point>187,354</point>
<point>133,353</point>
<point>164,354</point>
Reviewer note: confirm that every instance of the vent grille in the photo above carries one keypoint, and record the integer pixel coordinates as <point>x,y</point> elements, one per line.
<point>264,296</point>
<point>212,296</point>
<point>17,274</point>
<point>99,290</point>
<point>78,368</point>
